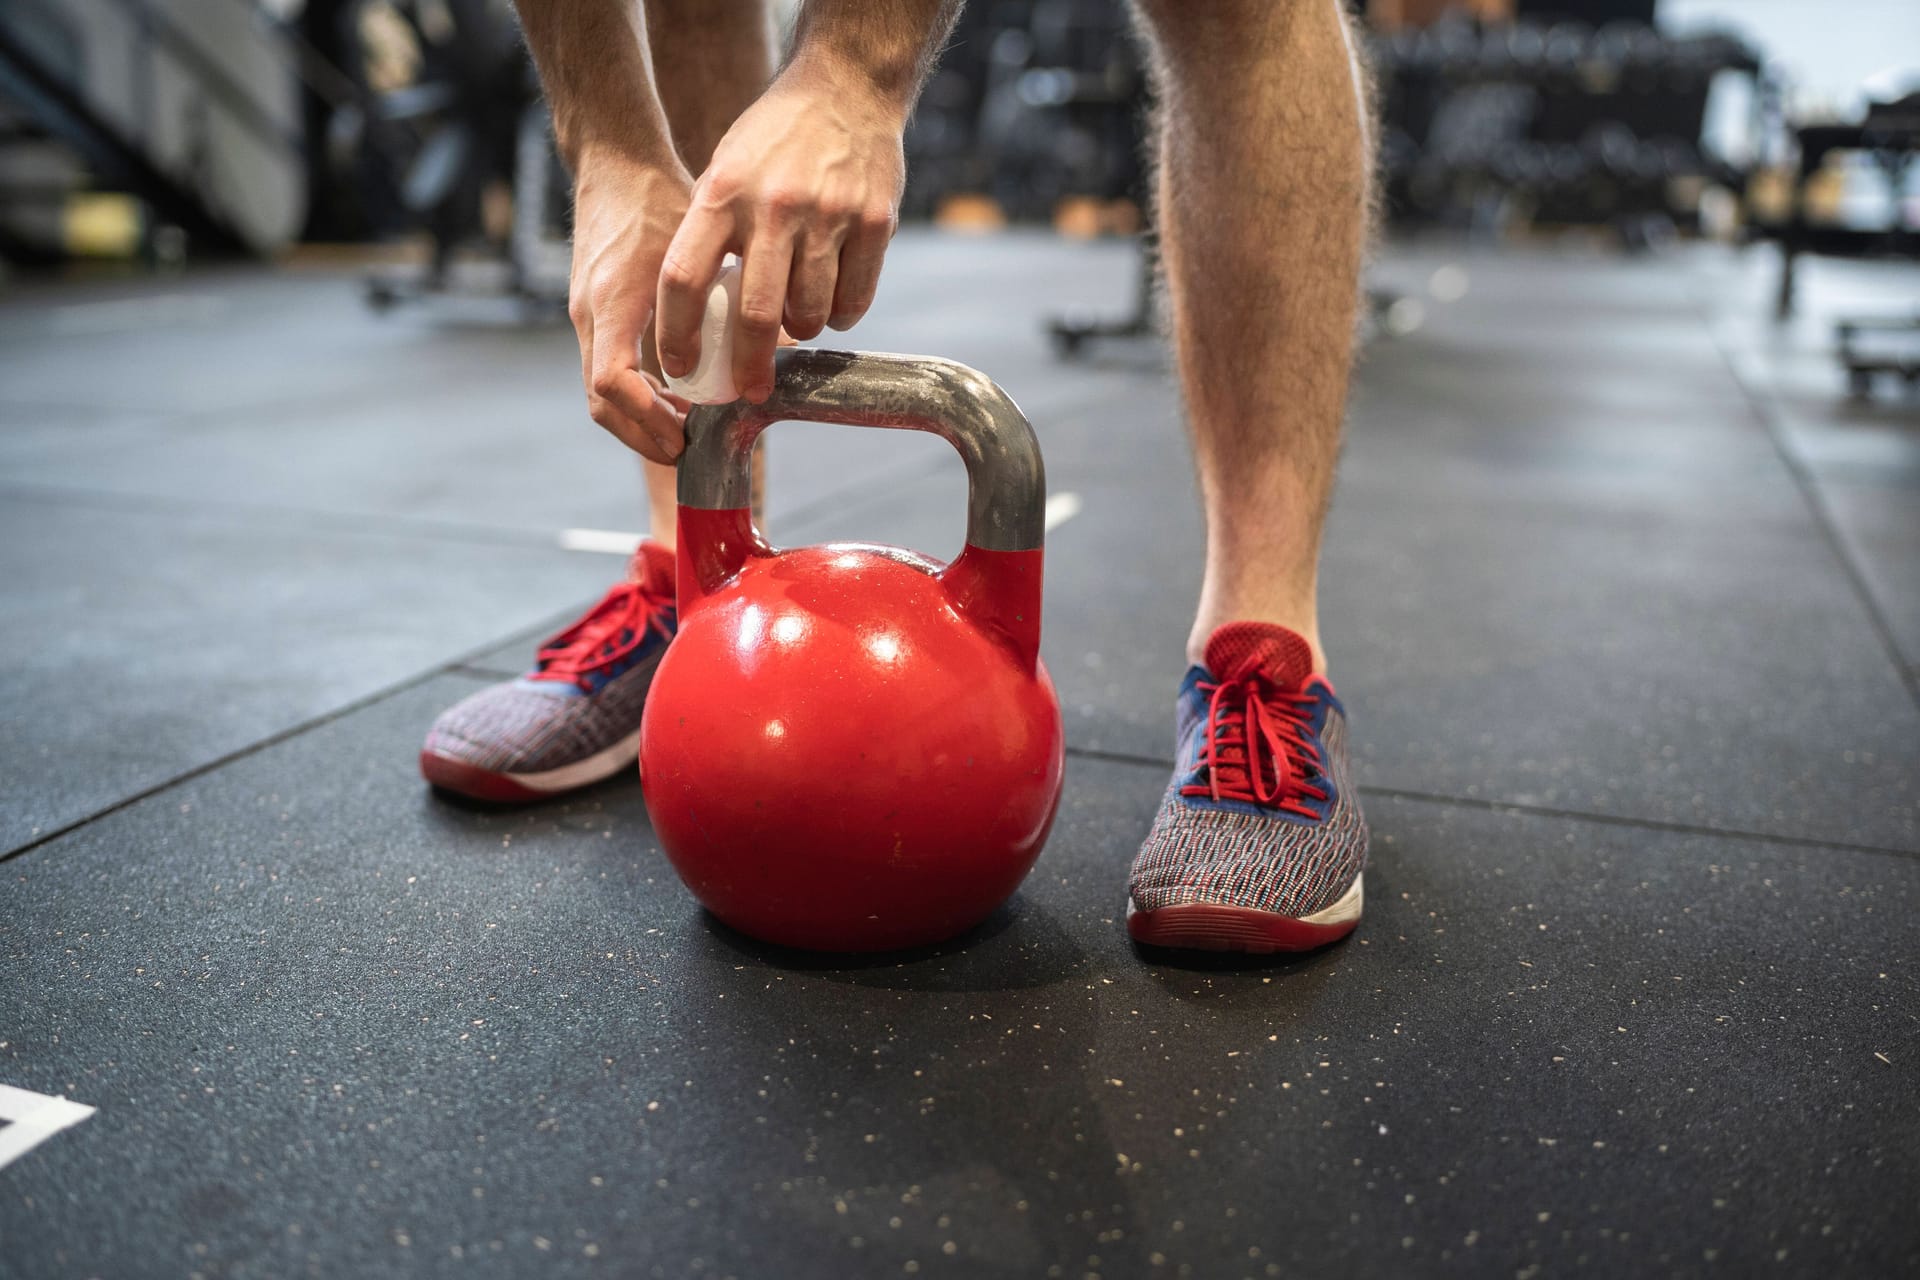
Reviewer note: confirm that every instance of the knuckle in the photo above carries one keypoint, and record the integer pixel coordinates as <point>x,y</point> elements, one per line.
<point>601,291</point>
<point>677,275</point>
<point>784,203</point>
<point>606,384</point>
<point>759,317</point>
<point>719,186</point>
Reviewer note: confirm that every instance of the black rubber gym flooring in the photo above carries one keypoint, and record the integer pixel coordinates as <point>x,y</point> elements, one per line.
<point>1620,589</point>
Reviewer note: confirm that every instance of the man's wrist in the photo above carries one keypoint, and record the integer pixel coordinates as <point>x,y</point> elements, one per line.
<point>626,150</point>
<point>885,93</point>
<point>880,50</point>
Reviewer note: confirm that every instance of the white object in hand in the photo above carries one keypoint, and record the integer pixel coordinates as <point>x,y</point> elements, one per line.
<point>711,381</point>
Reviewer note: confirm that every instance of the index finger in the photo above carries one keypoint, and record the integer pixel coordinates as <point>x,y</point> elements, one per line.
<point>627,401</point>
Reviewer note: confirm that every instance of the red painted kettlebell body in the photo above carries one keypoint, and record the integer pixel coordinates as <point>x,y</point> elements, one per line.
<point>850,747</point>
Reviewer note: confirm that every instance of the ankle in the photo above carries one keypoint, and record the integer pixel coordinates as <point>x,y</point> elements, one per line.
<point>1304,623</point>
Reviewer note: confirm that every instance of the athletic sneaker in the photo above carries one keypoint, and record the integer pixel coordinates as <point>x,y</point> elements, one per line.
<point>575,718</point>
<point>1259,844</point>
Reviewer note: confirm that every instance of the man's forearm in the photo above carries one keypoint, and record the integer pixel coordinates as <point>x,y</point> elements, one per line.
<point>595,67</point>
<point>890,44</point>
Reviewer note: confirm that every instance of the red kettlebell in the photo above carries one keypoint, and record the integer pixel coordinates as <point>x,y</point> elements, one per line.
<point>851,747</point>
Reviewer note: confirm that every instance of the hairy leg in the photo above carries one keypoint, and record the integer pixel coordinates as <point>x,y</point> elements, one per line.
<point>711,59</point>
<point>1262,142</point>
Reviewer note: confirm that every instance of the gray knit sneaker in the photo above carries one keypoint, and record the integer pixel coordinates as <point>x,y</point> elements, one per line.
<point>1259,844</point>
<point>575,718</point>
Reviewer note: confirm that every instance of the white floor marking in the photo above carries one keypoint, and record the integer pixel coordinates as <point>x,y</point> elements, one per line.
<point>608,541</point>
<point>125,315</point>
<point>1061,507</point>
<point>31,1119</point>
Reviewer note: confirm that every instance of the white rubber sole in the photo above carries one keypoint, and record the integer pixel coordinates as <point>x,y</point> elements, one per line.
<point>457,775</point>
<point>1208,926</point>
<point>581,773</point>
<point>1346,909</point>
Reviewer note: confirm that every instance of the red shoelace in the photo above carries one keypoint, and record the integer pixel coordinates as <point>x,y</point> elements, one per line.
<point>1259,747</point>
<point>611,630</point>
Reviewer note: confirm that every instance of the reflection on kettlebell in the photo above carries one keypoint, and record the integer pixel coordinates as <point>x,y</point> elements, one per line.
<point>851,747</point>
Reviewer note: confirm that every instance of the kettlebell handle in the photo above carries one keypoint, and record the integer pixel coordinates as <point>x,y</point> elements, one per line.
<point>1006,480</point>
<point>995,581</point>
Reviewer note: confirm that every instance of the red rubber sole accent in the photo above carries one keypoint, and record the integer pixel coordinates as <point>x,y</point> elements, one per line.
<point>476,783</point>
<point>1201,926</point>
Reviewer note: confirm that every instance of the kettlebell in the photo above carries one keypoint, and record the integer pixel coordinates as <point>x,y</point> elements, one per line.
<point>852,747</point>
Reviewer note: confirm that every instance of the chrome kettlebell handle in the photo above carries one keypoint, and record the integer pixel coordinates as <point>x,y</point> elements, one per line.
<point>1006,479</point>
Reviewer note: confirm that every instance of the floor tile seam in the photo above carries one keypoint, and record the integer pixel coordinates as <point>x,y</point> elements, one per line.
<point>461,665</point>
<point>1642,824</point>
<point>317,520</point>
<point>1487,805</point>
<point>481,670</point>
<point>1808,485</point>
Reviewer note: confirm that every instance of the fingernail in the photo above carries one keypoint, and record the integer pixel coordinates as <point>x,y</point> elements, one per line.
<point>674,366</point>
<point>759,392</point>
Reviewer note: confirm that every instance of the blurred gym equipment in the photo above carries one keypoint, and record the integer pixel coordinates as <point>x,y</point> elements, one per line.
<point>337,120</point>
<point>420,122</point>
<point>447,135</point>
<point>1492,126</point>
<point>200,127</point>
<point>1810,213</point>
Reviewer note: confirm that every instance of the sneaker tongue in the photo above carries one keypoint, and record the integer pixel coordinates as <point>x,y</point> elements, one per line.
<point>652,567</point>
<point>1264,650</point>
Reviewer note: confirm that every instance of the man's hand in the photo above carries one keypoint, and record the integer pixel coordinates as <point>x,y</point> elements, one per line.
<point>805,187</point>
<point>626,210</point>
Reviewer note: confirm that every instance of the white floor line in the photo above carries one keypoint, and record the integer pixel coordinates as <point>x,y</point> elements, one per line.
<point>126,315</point>
<point>31,1119</point>
<point>1062,507</point>
<point>607,541</point>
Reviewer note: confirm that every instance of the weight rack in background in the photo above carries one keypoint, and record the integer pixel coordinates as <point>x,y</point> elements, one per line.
<point>1490,127</point>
